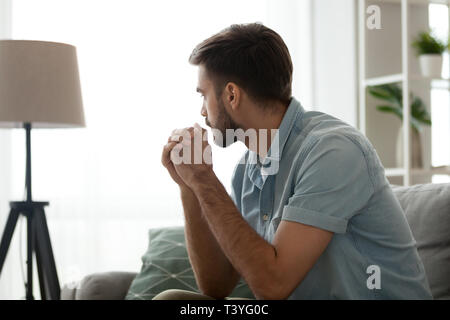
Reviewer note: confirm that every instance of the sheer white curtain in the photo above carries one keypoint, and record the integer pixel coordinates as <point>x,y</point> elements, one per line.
<point>105,184</point>
<point>13,266</point>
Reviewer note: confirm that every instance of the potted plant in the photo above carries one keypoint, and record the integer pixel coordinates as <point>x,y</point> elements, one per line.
<point>429,49</point>
<point>392,94</point>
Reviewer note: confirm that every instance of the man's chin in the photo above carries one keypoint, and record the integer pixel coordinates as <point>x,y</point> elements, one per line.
<point>220,139</point>
<point>223,144</point>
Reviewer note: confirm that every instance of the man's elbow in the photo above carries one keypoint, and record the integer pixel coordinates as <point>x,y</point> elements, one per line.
<point>218,287</point>
<point>218,293</point>
<point>272,293</point>
<point>272,288</point>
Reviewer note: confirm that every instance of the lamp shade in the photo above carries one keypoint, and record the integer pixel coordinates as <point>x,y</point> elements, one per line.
<point>39,84</point>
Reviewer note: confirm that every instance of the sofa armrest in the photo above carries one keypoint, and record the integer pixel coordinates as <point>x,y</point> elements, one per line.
<point>99,286</point>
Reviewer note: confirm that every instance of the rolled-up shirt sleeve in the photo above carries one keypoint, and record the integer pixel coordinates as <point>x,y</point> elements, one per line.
<point>333,183</point>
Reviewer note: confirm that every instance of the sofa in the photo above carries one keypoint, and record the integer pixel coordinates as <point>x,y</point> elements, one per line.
<point>427,209</point>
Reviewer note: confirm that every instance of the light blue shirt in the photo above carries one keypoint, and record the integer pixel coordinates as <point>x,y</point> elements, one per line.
<point>329,176</point>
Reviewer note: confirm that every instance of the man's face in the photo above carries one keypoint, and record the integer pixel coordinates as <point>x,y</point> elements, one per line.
<point>213,108</point>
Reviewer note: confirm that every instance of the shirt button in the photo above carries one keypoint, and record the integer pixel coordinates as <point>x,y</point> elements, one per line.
<point>265,217</point>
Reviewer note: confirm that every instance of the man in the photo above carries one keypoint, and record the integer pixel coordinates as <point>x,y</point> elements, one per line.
<point>312,218</point>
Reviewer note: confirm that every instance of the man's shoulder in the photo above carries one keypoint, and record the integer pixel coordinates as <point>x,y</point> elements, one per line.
<point>320,129</point>
<point>323,136</point>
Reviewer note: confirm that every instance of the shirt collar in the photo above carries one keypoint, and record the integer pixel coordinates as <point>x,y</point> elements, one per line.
<point>256,170</point>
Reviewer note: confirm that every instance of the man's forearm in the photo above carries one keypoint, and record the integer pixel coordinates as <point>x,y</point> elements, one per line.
<point>214,273</point>
<point>252,256</point>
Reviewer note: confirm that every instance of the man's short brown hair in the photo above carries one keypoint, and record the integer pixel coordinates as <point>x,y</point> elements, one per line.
<point>251,55</point>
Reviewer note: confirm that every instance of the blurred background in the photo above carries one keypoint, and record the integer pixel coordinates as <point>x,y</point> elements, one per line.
<point>105,184</point>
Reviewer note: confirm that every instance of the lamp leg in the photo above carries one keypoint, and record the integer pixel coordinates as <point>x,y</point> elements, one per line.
<point>7,235</point>
<point>44,248</point>
<point>30,250</point>
<point>39,266</point>
<point>38,242</point>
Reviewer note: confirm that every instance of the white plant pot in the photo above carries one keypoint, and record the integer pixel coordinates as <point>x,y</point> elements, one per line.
<point>431,65</point>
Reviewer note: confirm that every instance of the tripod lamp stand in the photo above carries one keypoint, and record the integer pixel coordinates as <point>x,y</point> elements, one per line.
<point>39,88</point>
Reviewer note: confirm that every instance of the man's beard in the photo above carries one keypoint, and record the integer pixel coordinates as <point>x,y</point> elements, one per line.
<point>224,123</point>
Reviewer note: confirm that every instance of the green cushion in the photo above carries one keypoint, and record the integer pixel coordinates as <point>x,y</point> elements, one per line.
<point>166,266</point>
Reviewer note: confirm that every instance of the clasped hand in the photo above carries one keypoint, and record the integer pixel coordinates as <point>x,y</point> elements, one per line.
<point>187,156</point>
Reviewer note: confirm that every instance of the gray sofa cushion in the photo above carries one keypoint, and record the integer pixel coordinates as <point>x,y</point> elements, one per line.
<point>427,209</point>
<point>99,286</point>
<point>166,265</point>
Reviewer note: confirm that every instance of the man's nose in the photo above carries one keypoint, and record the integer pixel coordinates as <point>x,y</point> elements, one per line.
<point>203,112</point>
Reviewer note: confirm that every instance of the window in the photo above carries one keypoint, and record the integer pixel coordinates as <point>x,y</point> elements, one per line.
<point>440,104</point>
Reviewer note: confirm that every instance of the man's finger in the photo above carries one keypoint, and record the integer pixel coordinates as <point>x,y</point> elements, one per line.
<point>175,137</point>
<point>176,131</point>
<point>165,158</point>
<point>201,130</point>
<point>180,131</point>
<point>176,154</point>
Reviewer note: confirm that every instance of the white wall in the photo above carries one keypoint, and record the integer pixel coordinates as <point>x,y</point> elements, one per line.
<point>335,59</point>
<point>291,19</point>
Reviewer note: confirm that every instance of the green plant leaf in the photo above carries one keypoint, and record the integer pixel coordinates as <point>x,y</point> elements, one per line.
<point>391,109</point>
<point>415,124</point>
<point>386,93</point>
<point>393,93</point>
<point>419,111</point>
<point>427,43</point>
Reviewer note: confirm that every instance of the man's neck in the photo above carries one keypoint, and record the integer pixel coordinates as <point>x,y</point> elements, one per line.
<point>266,126</point>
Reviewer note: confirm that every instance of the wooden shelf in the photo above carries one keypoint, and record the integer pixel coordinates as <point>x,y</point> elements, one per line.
<point>440,84</point>
<point>399,172</point>
<point>402,76</point>
<point>398,77</point>
<point>417,1</point>
<point>383,80</point>
<point>394,172</point>
<point>445,170</point>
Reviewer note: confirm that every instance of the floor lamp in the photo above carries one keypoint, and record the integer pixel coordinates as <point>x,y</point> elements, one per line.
<point>39,88</point>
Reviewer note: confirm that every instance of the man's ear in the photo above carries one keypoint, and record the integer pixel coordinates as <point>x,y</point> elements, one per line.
<point>233,95</point>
